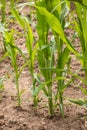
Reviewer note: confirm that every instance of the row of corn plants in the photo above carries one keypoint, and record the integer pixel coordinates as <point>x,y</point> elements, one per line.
<point>51,51</point>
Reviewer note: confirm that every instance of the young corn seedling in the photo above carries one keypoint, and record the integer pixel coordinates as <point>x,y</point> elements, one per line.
<point>62,53</point>
<point>54,18</point>
<point>12,53</point>
<point>31,49</point>
<point>45,55</point>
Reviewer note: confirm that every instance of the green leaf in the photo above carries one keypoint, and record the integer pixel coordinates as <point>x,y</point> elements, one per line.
<point>84,90</point>
<point>4,57</point>
<point>55,24</point>
<point>83,80</point>
<point>21,92</point>
<point>9,41</point>
<point>79,102</point>
<point>38,89</point>
<point>18,17</point>
<point>1,84</point>
<point>64,57</point>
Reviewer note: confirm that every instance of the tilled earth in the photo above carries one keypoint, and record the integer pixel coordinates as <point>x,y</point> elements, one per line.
<point>27,117</point>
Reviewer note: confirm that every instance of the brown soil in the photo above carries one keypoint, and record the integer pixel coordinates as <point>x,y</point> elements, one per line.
<point>27,117</point>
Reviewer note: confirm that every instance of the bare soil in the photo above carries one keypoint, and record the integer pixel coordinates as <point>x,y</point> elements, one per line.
<point>27,117</point>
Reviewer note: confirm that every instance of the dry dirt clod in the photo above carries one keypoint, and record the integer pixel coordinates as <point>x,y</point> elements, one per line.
<point>2,116</point>
<point>2,123</point>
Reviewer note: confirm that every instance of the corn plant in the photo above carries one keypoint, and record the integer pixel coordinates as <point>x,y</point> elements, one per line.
<point>52,14</point>
<point>81,29</point>
<point>12,54</point>
<point>31,49</point>
<point>62,53</point>
<point>45,52</point>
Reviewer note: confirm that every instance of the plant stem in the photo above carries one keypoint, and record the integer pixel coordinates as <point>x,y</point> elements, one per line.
<point>61,106</point>
<point>50,100</point>
<point>3,11</point>
<point>18,91</point>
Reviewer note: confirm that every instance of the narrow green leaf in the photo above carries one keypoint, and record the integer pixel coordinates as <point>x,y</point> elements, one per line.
<point>64,57</point>
<point>79,102</point>
<point>4,57</point>
<point>1,84</point>
<point>56,26</point>
<point>84,90</point>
